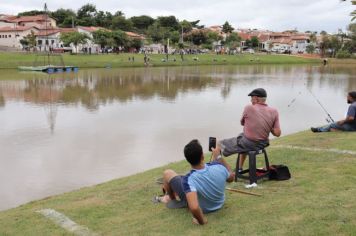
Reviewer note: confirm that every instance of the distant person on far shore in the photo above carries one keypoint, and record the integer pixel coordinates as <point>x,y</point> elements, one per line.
<point>347,124</point>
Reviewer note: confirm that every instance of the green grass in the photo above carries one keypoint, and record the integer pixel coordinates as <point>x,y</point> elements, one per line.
<point>13,60</point>
<point>319,199</point>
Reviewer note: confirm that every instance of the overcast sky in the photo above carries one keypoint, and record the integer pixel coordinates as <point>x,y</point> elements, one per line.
<point>276,15</point>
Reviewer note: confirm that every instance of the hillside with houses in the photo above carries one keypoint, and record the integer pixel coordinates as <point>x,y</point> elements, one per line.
<point>42,32</point>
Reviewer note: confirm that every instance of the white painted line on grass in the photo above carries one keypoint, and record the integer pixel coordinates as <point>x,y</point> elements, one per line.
<point>338,151</point>
<point>66,223</point>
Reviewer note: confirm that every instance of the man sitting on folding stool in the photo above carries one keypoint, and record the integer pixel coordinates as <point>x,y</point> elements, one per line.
<point>259,120</point>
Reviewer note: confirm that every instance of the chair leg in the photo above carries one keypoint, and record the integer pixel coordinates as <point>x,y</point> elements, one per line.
<point>237,166</point>
<point>252,167</point>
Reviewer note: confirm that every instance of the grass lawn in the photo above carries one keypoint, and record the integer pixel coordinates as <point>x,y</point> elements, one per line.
<point>13,60</point>
<point>319,199</point>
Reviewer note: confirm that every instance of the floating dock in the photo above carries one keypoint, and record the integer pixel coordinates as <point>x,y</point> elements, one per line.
<point>49,68</point>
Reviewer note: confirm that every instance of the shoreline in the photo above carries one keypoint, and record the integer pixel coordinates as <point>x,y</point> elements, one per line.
<point>320,178</point>
<point>13,60</point>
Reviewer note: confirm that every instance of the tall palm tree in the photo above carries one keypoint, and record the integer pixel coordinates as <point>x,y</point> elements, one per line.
<point>353,14</point>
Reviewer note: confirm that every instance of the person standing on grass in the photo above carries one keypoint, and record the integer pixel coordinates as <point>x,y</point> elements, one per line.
<point>347,124</point>
<point>202,190</point>
<point>259,120</point>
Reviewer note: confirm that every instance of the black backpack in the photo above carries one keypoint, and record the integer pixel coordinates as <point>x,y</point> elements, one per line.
<point>279,172</point>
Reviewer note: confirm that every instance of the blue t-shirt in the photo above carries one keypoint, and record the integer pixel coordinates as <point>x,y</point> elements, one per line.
<point>209,183</point>
<point>352,112</point>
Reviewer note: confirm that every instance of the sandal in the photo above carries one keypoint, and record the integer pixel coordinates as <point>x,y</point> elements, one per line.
<point>157,199</point>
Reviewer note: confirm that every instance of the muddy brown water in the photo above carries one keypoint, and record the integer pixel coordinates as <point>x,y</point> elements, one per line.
<point>64,131</point>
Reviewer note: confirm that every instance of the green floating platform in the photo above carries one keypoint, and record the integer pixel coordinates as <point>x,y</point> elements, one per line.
<point>49,68</point>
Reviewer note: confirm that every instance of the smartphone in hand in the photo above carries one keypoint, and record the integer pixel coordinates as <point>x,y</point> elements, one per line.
<point>212,143</point>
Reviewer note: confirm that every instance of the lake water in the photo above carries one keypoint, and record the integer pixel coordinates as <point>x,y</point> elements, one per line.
<point>64,131</point>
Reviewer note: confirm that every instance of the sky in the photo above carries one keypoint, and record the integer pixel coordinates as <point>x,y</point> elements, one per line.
<point>275,15</point>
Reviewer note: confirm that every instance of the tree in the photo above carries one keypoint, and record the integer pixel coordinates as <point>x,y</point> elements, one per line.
<point>312,38</point>
<point>120,38</point>
<point>227,28</point>
<point>254,42</point>
<point>29,40</point>
<point>121,23</point>
<point>174,36</point>
<point>310,48</point>
<point>350,45</point>
<point>102,37</point>
<point>155,32</point>
<point>103,19</point>
<point>86,15</point>
<point>142,22</point>
<point>74,38</point>
<point>31,13</point>
<point>168,22</point>
<point>197,37</point>
<point>136,43</point>
<point>186,26</point>
<point>64,17</point>
<point>233,40</point>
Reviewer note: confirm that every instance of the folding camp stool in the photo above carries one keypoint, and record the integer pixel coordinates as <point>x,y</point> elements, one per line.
<point>252,172</point>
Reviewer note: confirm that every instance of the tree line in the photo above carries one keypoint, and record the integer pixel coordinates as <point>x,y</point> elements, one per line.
<point>156,30</point>
<point>179,33</point>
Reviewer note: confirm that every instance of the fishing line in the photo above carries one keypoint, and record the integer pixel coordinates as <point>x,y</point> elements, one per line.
<point>329,119</point>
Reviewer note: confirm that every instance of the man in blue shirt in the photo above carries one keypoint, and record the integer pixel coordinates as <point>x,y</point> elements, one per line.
<point>203,188</point>
<point>347,124</point>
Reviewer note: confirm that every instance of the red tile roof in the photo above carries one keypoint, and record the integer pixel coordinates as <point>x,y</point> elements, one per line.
<point>134,35</point>
<point>18,28</point>
<point>29,18</point>
<point>91,28</point>
<point>55,31</point>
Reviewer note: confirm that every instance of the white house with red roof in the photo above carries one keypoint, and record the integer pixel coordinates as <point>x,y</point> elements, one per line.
<point>40,21</point>
<point>10,37</point>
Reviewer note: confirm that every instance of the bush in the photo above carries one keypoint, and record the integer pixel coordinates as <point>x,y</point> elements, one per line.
<point>207,46</point>
<point>343,54</point>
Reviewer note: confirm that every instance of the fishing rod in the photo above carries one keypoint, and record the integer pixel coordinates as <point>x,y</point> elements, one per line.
<point>329,119</point>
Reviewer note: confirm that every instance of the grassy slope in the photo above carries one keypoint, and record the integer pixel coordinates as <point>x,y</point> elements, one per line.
<point>318,200</point>
<point>13,60</point>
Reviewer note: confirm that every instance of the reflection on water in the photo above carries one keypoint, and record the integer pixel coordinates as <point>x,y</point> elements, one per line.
<point>64,131</point>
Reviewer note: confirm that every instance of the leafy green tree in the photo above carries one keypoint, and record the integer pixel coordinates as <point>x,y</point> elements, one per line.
<point>120,38</point>
<point>142,22</point>
<point>254,42</point>
<point>186,26</point>
<point>64,17</point>
<point>121,23</point>
<point>136,43</point>
<point>86,15</point>
<point>174,36</point>
<point>195,24</point>
<point>75,38</point>
<point>312,38</point>
<point>103,19</point>
<point>324,44</point>
<point>213,36</point>
<point>197,37</point>
<point>227,28</point>
<point>310,48</point>
<point>168,22</point>
<point>233,40</point>
<point>155,32</point>
<point>29,40</point>
<point>102,37</point>
<point>350,45</point>
<point>31,13</point>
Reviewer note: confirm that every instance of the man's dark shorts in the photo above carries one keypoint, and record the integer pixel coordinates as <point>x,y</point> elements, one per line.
<point>241,144</point>
<point>177,186</point>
